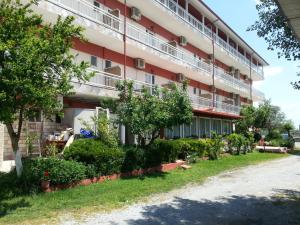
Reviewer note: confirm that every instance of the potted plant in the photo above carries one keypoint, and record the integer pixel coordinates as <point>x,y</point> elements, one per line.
<point>45,183</point>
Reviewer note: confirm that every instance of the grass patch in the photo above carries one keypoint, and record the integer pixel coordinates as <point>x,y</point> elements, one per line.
<point>36,209</point>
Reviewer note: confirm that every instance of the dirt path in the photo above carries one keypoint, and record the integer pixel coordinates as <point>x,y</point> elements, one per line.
<point>265,194</point>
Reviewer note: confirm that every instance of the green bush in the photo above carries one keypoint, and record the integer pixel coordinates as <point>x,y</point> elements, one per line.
<point>106,160</point>
<point>134,158</point>
<point>58,171</point>
<point>214,146</point>
<point>198,146</point>
<point>235,143</point>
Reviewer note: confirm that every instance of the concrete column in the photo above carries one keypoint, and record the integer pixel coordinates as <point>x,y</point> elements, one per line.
<point>1,144</point>
<point>187,5</point>
<point>123,135</point>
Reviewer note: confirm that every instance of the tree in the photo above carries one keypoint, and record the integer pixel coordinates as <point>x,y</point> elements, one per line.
<point>274,28</point>
<point>36,66</point>
<point>147,112</point>
<point>248,115</point>
<point>288,126</point>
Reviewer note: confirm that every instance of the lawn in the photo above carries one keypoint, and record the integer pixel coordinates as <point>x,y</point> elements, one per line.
<point>39,208</point>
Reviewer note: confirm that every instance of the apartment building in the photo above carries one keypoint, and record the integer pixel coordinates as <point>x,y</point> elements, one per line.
<point>155,42</point>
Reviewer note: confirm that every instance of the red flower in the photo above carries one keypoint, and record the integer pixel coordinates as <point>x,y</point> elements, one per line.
<point>46,174</point>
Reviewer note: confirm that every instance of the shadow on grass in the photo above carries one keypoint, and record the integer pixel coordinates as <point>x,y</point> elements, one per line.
<point>144,176</point>
<point>10,188</point>
<point>283,208</point>
<point>294,152</point>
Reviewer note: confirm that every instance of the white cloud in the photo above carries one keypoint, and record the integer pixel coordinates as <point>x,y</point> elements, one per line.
<point>271,71</point>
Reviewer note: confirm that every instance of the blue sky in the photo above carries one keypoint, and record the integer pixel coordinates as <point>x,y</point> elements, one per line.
<point>240,14</point>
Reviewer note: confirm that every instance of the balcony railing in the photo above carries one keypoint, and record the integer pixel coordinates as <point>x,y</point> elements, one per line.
<point>191,20</point>
<point>109,81</point>
<point>100,16</point>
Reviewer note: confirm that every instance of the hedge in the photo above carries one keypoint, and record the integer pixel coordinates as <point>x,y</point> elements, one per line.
<point>106,160</point>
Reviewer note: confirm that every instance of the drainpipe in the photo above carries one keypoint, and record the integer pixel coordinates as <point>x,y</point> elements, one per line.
<point>124,37</point>
<point>251,94</point>
<point>213,60</point>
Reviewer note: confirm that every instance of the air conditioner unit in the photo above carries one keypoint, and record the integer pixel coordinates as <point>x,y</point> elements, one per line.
<point>140,63</point>
<point>231,69</point>
<point>115,12</point>
<point>212,88</point>
<point>183,41</point>
<point>173,43</point>
<point>233,95</point>
<point>135,14</point>
<point>180,77</point>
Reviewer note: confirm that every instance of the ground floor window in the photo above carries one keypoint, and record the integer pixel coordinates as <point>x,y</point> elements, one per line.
<point>201,127</point>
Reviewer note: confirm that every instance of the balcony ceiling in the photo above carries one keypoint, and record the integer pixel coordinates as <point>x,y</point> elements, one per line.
<point>291,10</point>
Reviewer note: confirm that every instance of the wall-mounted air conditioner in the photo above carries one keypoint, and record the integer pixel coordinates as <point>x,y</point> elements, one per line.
<point>182,40</point>
<point>135,14</point>
<point>140,63</point>
<point>180,77</point>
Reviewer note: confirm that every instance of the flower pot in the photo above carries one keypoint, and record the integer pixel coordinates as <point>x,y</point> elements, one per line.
<point>45,185</point>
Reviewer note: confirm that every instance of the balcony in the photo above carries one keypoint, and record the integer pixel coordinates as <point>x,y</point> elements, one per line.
<point>181,57</point>
<point>258,95</point>
<point>104,84</point>
<point>204,30</point>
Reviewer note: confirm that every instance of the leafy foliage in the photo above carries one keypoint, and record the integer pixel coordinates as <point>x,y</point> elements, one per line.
<point>147,112</point>
<point>274,28</point>
<point>36,64</point>
<point>106,160</point>
<point>56,170</point>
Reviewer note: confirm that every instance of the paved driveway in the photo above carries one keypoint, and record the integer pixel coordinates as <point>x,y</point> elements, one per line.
<point>265,194</point>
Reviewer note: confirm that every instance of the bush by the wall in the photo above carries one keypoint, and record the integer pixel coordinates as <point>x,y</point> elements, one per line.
<point>58,171</point>
<point>134,158</point>
<point>106,160</point>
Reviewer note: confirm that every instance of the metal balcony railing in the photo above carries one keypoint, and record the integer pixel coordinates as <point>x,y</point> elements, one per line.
<point>109,81</point>
<point>195,23</point>
<point>100,16</point>
<point>258,94</point>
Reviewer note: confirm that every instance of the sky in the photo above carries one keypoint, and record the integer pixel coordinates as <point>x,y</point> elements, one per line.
<point>240,14</point>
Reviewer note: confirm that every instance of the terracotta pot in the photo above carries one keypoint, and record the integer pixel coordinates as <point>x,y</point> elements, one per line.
<point>45,185</point>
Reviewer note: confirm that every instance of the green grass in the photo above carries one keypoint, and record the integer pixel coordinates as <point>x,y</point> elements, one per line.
<point>41,208</point>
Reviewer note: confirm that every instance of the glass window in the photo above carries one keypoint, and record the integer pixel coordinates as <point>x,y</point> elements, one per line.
<point>93,60</point>
<point>216,126</point>
<point>194,127</point>
<point>176,131</point>
<point>187,130</point>
<point>204,127</point>
<point>107,64</point>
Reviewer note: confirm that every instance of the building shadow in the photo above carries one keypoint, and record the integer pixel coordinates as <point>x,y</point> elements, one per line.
<point>283,208</point>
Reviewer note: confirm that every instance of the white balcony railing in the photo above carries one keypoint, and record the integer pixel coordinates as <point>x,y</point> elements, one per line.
<point>100,16</point>
<point>191,20</point>
<point>109,81</point>
<point>258,94</point>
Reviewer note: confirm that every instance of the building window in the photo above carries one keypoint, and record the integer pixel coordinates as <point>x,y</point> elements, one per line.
<point>204,128</point>
<point>94,61</point>
<point>96,4</point>
<point>195,91</point>
<point>107,64</point>
<point>194,127</point>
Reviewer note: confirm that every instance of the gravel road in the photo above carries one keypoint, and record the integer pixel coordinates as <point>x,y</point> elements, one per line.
<point>264,194</point>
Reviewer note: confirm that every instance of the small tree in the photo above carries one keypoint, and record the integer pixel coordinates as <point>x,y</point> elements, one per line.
<point>147,112</point>
<point>288,126</point>
<point>35,65</point>
<point>248,117</point>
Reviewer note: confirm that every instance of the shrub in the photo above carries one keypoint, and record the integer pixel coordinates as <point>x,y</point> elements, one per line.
<point>134,158</point>
<point>214,146</point>
<point>58,171</point>
<point>198,146</point>
<point>106,160</point>
<point>235,143</point>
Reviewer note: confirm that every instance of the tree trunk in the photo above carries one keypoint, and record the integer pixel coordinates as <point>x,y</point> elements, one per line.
<point>15,137</point>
